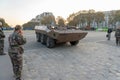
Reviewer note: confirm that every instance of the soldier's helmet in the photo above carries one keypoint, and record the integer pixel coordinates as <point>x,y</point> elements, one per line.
<point>18,27</point>
<point>0,23</point>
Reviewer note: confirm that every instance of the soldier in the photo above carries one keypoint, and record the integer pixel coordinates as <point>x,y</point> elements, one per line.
<point>16,40</point>
<point>2,36</point>
<point>117,36</point>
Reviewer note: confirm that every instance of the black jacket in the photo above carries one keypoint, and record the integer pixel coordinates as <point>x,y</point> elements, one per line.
<point>109,30</point>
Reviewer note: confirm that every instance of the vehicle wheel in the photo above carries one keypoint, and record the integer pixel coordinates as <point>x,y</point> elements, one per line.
<point>43,39</point>
<point>74,42</point>
<point>50,42</point>
<point>38,36</point>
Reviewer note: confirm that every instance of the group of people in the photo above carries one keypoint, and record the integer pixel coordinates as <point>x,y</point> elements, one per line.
<point>15,50</point>
<point>117,35</point>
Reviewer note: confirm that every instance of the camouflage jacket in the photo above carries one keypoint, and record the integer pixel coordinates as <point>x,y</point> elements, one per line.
<point>117,33</point>
<point>2,36</point>
<point>16,41</point>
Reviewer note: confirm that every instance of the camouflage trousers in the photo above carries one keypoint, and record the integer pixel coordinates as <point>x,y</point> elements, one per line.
<point>117,40</point>
<point>1,46</point>
<point>17,63</point>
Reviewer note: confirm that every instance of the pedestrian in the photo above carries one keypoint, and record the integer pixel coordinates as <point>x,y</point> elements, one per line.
<point>109,33</point>
<point>2,36</point>
<point>16,42</point>
<point>117,36</point>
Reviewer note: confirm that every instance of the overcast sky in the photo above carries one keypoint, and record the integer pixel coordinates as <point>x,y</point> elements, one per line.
<point>21,11</point>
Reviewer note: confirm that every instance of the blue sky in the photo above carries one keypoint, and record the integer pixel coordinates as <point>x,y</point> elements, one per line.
<point>21,11</point>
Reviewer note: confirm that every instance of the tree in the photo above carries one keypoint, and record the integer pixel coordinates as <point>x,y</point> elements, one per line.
<point>117,16</point>
<point>48,20</point>
<point>71,16</point>
<point>82,19</point>
<point>30,25</point>
<point>73,20</point>
<point>111,19</point>
<point>4,23</point>
<point>61,21</point>
<point>90,17</point>
<point>99,17</point>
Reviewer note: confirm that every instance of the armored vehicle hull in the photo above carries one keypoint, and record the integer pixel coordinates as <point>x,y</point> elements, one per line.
<point>52,36</point>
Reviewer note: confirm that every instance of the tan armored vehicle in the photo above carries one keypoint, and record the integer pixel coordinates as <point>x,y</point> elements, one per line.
<point>50,35</point>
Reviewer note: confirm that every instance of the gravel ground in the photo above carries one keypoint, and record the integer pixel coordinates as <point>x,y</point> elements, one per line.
<point>94,58</point>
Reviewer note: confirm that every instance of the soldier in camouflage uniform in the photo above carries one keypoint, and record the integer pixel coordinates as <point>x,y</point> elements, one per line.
<point>117,36</point>
<point>2,36</point>
<point>16,40</point>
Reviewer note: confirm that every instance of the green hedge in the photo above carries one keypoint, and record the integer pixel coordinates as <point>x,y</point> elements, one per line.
<point>102,29</point>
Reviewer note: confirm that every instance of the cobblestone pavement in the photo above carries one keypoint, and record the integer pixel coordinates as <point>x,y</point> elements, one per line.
<point>5,65</point>
<point>94,58</point>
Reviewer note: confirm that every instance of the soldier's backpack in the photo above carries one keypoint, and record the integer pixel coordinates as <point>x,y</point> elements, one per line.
<point>16,40</point>
<point>12,40</point>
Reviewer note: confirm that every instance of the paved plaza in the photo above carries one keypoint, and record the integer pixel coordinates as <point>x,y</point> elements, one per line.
<point>94,58</point>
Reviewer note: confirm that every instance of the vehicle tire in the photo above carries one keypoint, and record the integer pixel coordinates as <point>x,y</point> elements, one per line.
<point>43,39</point>
<point>73,43</point>
<point>38,36</point>
<point>50,42</point>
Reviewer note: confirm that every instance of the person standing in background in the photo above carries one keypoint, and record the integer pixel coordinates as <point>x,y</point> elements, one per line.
<point>109,33</point>
<point>2,36</point>
<point>117,36</point>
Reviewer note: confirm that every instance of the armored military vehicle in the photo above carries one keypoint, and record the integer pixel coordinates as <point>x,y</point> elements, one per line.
<point>51,35</point>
